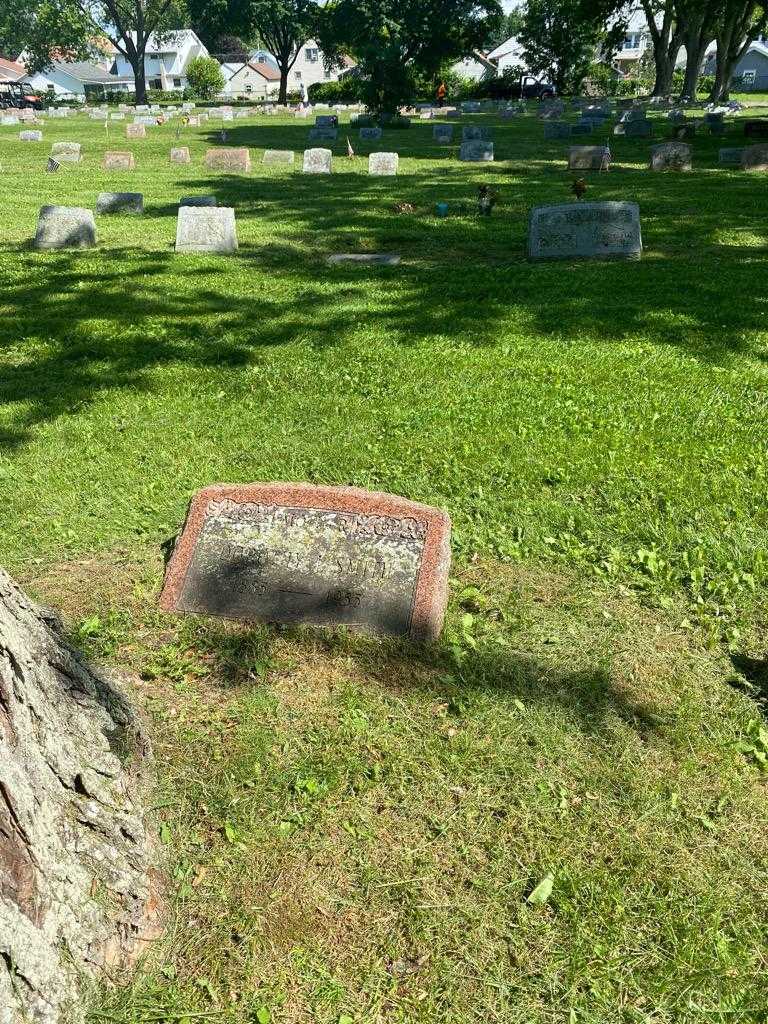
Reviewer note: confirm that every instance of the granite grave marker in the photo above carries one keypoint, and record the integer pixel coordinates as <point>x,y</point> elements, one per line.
<point>65,227</point>
<point>609,230</point>
<point>206,229</point>
<point>321,556</point>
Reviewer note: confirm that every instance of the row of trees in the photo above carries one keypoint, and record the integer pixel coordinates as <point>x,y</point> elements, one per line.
<point>392,41</point>
<point>395,43</point>
<point>560,38</point>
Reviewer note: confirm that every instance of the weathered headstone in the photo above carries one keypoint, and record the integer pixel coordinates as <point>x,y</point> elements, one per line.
<point>180,155</point>
<point>326,121</point>
<point>120,202</point>
<point>637,128</point>
<point>30,136</point>
<point>279,157</point>
<point>684,131</point>
<point>557,130</point>
<point>317,161</point>
<point>65,227</point>
<point>235,160</point>
<point>589,158</point>
<point>755,158</point>
<point>671,156</point>
<point>370,134</point>
<point>443,133</point>
<point>321,556</point>
<point>135,131</point>
<point>476,151</point>
<point>117,116</point>
<point>731,156</point>
<point>757,128</point>
<point>198,201</point>
<point>476,133</point>
<point>383,164</point>
<point>115,161</point>
<point>585,231</point>
<point>67,152</point>
<point>323,134</point>
<point>206,229</point>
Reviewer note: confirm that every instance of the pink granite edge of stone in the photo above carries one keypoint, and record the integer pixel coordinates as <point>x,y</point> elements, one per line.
<point>431,594</point>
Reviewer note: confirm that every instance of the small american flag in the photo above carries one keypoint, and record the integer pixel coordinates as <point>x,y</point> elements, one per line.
<point>350,151</point>
<point>52,166</point>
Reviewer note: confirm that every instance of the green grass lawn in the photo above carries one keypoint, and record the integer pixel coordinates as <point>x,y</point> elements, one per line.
<point>352,829</point>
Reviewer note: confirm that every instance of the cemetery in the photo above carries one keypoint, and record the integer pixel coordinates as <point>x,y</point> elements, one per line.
<point>403,488</point>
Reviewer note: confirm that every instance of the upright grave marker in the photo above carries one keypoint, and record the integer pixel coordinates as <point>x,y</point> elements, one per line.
<point>671,156</point>
<point>585,231</point>
<point>476,151</point>
<point>135,131</point>
<point>180,155</point>
<point>67,152</point>
<point>116,161</point>
<point>755,158</point>
<point>236,160</point>
<point>443,133</point>
<point>317,161</point>
<point>30,136</point>
<point>322,556</point>
<point>589,158</point>
<point>120,202</point>
<point>370,134</point>
<point>206,229</point>
<point>279,157</point>
<point>65,227</point>
<point>383,164</point>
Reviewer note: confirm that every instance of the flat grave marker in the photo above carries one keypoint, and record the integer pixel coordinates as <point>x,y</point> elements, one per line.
<point>180,155</point>
<point>279,157</point>
<point>320,556</point>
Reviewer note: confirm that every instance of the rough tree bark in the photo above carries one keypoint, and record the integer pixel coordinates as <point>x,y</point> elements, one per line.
<point>77,883</point>
<point>666,39</point>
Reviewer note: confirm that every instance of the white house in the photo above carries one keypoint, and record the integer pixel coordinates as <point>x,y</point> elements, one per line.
<point>309,68</point>
<point>476,66</point>
<point>166,60</point>
<point>256,79</point>
<point>76,79</point>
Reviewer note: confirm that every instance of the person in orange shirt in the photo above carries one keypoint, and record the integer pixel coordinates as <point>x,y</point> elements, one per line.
<point>441,90</point>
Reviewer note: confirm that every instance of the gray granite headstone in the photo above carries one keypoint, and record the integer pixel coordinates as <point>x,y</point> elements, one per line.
<point>120,202</point>
<point>326,121</point>
<point>198,201</point>
<point>589,158</point>
<point>206,229</point>
<point>557,130</point>
<point>476,133</point>
<point>30,136</point>
<point>135,131</point>
<point>731,156</point>
<point>323,134</point>
<point>477,151</point>
<point>635,129</point>
<point>383,164</point>
<point>671,156</point>
<point>585,231</point>
<point>370,134</point>
<point>180,155</point>
<point>443,133</point>
<point>280,157</point>
<point>67,152</point>
<point>317,161</point>
<point>755,158</point>
<point>65,227</point>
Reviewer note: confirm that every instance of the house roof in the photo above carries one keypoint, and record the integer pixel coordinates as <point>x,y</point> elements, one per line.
<point>11,69</point>
<point>89,74</point>
<point>165,42</point>
<point>266,71</point>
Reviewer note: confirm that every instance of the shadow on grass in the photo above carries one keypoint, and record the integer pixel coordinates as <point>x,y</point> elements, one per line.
<point>106,318</point>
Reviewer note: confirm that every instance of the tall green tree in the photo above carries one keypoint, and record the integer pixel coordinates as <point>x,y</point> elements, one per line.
<point>280,26</point>
<point>737,25</point>
<point>394,41</point>
<point>666,38</point>
<point>697,20</point>
<point>562,38</point>
<point>48,28</point>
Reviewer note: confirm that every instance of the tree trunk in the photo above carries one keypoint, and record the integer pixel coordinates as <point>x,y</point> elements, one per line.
<point>77,889</point>
<point>666,46</point>
<point>282,96</point>
<point>694,49</point>
<point>140,80</point>
<point>736,29</point>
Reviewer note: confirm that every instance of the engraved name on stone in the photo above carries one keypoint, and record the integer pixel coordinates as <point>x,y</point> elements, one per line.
<point>206,229</point>
<point>313,559</point>
<point>609,230</point>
